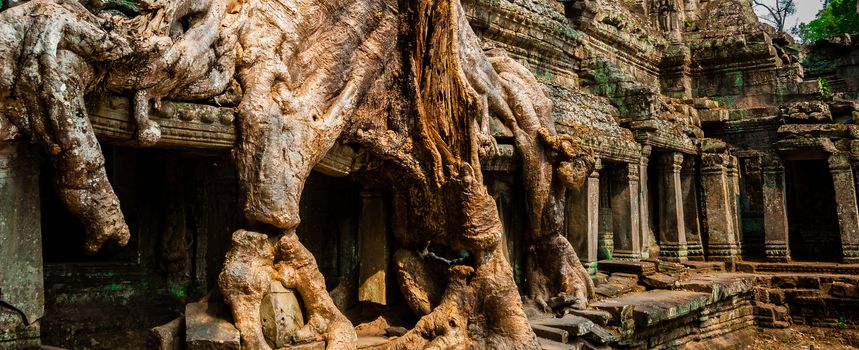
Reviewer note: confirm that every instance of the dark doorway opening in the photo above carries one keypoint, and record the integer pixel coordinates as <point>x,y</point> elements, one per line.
<point>752,209</point>
<point>812,217</point>
<point>330,210</point>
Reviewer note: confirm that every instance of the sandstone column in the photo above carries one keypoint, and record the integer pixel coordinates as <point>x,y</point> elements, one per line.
<point>375,248</point>
<point>722,244</point>
<point>624,211</point>
<point>644,211</point>
<point>22,297</point>
<point>672,228</point>
<point>605,228</point>
<point>734,197</point>
<point>775,211</point>
<point>583,217</point>
<point>690,209</point>
<point>845,200</point>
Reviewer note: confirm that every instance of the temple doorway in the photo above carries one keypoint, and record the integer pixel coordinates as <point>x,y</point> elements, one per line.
<point>812,218</point>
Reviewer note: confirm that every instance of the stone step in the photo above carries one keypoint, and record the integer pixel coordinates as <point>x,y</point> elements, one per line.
<point>704,266</point>
<point>652,307</point>
<point>659,281</point>
<point>631,267</point>
<point>720,285</point>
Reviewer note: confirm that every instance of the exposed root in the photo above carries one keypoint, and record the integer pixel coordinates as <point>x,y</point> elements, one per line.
<point>54,52</point>
<point>253,262</point>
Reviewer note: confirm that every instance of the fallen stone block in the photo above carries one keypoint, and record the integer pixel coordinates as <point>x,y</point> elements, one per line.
<point>168,336</point>
<point>843,290</point>
<point>207,327</point>
<point>551,333</point>
<point>561,300</point>
<point>575,325</point>
<point>600,335</point>
<point>599,317</point>
<point>659,281</point>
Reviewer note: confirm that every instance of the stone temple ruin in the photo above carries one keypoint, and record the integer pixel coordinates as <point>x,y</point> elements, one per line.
<point>380,174</point>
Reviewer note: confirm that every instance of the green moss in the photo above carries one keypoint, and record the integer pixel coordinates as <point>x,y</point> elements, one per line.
<point>738,79</point>
<point>177,290</point>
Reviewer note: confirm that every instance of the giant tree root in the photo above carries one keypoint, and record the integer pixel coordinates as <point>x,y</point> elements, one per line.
<point>54,52</point>
<point>480,308</point>
<point>47,50</point>
<point>253,261</point>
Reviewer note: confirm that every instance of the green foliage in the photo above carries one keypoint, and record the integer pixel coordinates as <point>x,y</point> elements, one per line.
<point>838,17</point>
<point>841,322</point>
<point>823,87</point>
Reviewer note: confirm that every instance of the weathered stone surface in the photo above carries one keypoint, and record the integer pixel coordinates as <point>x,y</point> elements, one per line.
<point>578,327</point>
<point>720,286</point>
<point>169,336</point>
<point>659,281</point>
<point>281,315</point>
<point>652,307</point>
<point>844,290</point>
<point>631,267</point>
<point>551,333</point>
<point>15,333</point>
<point>601,318</point>
<point>208,327</point>
<point>21,281</point>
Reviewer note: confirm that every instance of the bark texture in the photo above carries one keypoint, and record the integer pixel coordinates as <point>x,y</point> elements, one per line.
<point>52,53</point>
<point>407,82</point>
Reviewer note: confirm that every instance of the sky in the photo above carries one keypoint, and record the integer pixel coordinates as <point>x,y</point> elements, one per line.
<point>805,11</point>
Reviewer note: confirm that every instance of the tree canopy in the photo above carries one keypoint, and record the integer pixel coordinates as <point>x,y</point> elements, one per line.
<point>837,17</point>
<point>777,12</point>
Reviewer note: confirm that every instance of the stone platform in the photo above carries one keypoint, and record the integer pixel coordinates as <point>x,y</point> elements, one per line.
<point>699,306</point>
<point>695,306</point>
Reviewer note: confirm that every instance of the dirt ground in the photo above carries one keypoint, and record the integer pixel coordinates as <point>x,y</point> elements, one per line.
<point>799,337</point>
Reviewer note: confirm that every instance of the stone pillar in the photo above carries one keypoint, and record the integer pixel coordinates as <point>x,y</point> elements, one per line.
<point>643,198</point>
<point>775,210</point>
<point>605,247</point>
<point>722,244</point>
<point>582,219</point>
<point>845,200</point>
<point>734,198</point>
<point>672,228</point>
<point>22,297</point>
<point>690,209</point>
<point>624,211</point>
<point>375,245</point>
